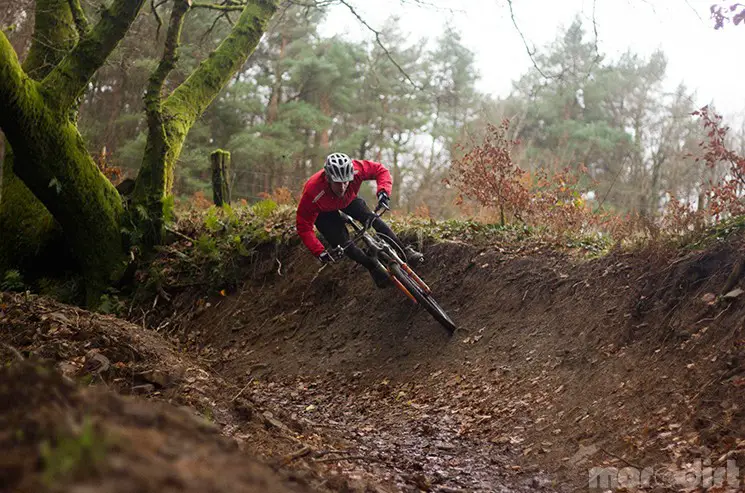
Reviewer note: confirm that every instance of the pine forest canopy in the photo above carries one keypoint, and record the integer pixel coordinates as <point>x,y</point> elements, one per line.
<point>279,103</point>
<point>301,93</point>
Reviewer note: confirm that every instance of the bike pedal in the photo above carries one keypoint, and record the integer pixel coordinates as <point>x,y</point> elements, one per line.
<point>417,261</point>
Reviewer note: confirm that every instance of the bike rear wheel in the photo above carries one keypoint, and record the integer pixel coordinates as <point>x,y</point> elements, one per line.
<point>424,299</point>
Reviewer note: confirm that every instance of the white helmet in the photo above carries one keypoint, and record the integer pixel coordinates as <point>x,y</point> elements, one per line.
<point>339,167</point>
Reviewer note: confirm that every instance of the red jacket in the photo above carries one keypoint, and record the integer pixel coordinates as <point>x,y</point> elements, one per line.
<point>317,197</point>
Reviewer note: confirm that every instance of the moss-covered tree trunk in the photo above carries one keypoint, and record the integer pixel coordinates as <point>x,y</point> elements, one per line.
<point>30,233</point>
<point>170,119</point>
<point>52,179</point>
<point>48,153</point>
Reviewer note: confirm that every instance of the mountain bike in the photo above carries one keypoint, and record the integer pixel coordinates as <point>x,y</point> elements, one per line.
<point>390,259</point>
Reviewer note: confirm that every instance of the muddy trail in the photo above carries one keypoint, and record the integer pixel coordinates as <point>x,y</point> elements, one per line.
<point>562,364</point>
<point>95,403</point>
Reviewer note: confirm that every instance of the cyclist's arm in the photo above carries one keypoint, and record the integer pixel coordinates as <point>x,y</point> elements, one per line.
<point>307,212</point>
<point>376,171</point>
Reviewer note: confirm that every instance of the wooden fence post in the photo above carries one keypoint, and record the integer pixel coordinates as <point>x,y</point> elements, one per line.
<point>220,161</point>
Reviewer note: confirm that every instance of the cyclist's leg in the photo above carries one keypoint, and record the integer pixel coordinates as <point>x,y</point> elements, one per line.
<point>359,210</point>
<point>331,227</point>
<point>334,231</point>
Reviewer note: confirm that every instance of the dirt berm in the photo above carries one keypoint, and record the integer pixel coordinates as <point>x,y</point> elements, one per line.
<point>563,364</point>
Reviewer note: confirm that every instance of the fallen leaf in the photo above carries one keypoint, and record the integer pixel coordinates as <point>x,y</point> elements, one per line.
<point>59,317</point>
<point>734,293</point>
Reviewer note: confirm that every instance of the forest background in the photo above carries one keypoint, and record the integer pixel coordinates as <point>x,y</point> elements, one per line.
<point>607,130</point>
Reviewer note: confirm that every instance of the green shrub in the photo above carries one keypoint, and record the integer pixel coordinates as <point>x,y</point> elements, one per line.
<point>12,281</point>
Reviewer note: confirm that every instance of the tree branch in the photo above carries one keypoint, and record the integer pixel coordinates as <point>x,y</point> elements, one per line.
<point>310,3</point>
<point>177,114</point>
<point>597,57</point>
<point>157,144</point>
<point>595,31</point>
<point>380,43</point>
<point>214,6</point>
<point>70,77</point>
<point>530,51</point>
<point>213,25</point>
<point>55,35</point>
<point>192,97</point>
<point>81,21</point>
<point>168,60</point>
<point>154,8</point>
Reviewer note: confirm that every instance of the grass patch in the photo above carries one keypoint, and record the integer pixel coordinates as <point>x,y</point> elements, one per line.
<point>72,454</point>
<point>212,247</point>
<point>718,232</point>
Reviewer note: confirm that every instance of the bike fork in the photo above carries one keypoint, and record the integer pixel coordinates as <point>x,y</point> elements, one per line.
<point>398,284</point>
<point>416,278</point>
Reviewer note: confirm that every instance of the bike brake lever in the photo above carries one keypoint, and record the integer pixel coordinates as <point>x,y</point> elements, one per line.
<point>337,253</point>
<point>381,207</point>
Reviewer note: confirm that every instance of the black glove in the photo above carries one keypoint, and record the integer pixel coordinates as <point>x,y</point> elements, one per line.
<point>384,201</point>
<point>326,258</point>
<point>331,256</point>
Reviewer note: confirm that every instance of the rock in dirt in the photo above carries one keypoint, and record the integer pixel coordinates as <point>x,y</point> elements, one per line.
<point>96,362</point>
<point>584,453</point>
<point>143,389</point>
<point>445,446</point>
<point>158,377</point>
<point>271,422</point>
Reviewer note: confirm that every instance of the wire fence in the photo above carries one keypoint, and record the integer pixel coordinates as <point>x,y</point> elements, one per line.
<point>250,185</point>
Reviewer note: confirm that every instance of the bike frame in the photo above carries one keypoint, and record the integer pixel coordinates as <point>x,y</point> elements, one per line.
<point>382,250</point>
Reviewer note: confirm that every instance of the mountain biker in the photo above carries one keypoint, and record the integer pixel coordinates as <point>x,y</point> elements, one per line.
<point>335,188</point>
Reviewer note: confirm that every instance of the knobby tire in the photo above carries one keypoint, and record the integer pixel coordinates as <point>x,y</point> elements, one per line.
<point>424,299</point>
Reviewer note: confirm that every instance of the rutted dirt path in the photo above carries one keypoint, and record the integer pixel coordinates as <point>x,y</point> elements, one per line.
<point>412,446</point>
<point>563,364</point>
<point>117,444</point>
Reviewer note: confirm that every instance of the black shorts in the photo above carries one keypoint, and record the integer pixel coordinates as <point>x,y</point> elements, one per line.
<point>332,226</point>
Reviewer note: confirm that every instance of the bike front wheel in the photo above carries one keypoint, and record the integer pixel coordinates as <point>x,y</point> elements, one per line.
<point>423,298</point>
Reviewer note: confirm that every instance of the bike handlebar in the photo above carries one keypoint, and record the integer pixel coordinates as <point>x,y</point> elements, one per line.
<point>368,223</point>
